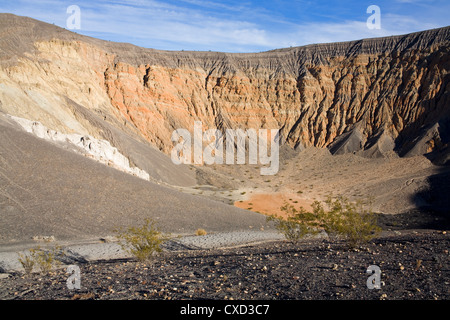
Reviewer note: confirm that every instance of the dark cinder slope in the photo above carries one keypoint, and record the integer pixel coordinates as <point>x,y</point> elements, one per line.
<point>46,190</point>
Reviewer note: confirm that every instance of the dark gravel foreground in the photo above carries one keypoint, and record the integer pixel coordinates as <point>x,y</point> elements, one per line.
<point>414,266</point>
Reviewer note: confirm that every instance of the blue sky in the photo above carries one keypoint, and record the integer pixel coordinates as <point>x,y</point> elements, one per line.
<point>235,26</point>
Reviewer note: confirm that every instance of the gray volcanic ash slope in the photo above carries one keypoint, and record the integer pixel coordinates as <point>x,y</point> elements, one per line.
<point>48,191</point>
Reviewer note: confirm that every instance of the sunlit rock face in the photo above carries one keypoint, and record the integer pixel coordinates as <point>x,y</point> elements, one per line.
<point>370,97</point>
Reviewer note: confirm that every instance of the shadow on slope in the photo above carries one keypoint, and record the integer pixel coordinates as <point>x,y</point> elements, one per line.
<point>435,199</point>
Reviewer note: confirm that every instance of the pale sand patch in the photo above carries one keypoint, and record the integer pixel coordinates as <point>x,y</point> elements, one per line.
<point>270,204</point>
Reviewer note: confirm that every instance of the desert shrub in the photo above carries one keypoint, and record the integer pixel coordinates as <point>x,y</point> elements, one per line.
<point>27,261</point>
<point>47,259</point>
<point>44,259</point>
<point>142,242</point>
<point>297,224</point>
<point>350,221</point>
<point>200,232</point>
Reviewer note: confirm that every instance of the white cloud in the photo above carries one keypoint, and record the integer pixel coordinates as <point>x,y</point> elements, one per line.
<point>153,22</point>
<point>310,33</point>
<point>218,26</point>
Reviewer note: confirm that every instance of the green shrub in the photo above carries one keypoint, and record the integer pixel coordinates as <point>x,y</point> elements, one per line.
<point>343,219</point>
<point>44,259</point>
<point>142,242</point>
<point>350,220</point>
<point>297,224</point>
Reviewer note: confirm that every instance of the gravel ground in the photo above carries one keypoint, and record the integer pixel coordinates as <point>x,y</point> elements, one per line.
<point>414,266</point>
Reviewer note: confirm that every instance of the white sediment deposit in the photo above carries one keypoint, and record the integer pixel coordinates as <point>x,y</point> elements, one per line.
<point>99,150</point>
<point>96,251</point>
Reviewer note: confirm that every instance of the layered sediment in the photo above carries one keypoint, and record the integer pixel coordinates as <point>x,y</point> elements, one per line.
<point>371,97</point>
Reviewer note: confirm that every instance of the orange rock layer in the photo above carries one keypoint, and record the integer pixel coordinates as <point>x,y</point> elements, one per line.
<point>345,96</point>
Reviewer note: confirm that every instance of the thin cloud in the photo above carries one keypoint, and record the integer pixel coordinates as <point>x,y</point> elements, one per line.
<point>391,24</point>
<point>189,28</point>
<point>232,26</point>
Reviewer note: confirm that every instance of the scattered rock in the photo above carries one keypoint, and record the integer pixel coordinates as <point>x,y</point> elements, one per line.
<point>4,275</point>
<point>239,273</point>
<point>44,238</point>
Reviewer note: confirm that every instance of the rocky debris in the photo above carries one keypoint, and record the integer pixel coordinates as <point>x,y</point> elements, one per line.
<point>227,239</point>
<point>413,264</point>
<point>44,239</point>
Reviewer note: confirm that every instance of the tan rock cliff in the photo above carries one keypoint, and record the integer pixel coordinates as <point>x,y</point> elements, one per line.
<point>370,96</point>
